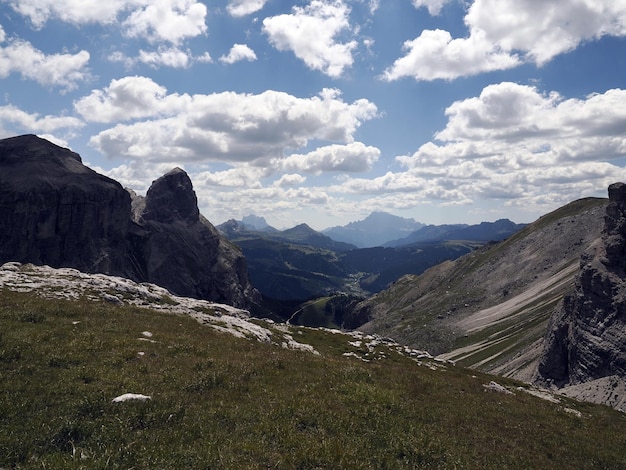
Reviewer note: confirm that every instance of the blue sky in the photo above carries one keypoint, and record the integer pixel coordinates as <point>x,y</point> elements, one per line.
<point>322,111</point>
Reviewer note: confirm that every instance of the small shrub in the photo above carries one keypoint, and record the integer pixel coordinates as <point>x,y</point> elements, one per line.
<point>10,355</point>
<point>31,317</point>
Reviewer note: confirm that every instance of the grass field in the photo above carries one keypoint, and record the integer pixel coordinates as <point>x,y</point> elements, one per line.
<point>217,401</point>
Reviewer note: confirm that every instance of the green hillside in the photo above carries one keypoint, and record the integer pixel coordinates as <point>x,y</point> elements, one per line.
<point>218,401</point>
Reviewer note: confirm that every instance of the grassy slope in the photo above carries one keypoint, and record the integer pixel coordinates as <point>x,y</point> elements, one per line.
<point>223,402</point>
<point>428,311</point>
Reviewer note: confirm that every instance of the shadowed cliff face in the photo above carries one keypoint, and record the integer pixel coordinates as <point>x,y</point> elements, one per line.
<point>183,250</point>
<point>56,211</point>
<point>586,339</point>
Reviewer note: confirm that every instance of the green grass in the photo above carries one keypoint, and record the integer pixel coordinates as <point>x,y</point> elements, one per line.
<point>222,402</point>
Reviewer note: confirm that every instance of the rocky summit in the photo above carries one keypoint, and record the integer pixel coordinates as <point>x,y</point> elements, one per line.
<point>56,211</point>
<point>586,339</point>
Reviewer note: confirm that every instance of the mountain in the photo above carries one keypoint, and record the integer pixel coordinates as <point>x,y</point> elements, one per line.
<point>586,340</point>
<point>56,211</point>
<point>490,308</point>
<point>253,222</point>
<point>483,232</point>
<point>375,230</point>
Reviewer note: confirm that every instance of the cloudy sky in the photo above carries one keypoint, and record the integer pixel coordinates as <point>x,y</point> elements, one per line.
<point>322,111</point>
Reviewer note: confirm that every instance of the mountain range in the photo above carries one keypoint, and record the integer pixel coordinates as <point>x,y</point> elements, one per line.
<point>301,263</point>
<point>543,305</point>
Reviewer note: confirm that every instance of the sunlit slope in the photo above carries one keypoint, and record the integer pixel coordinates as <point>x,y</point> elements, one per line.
<point>489,309</point>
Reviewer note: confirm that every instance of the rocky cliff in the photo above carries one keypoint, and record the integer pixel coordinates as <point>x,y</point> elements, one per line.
<point>586,339</point>
<point>56,211</point>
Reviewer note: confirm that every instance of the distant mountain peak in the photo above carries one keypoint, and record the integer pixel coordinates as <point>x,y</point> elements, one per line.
<point>376,229</point>
<point>255,222</point>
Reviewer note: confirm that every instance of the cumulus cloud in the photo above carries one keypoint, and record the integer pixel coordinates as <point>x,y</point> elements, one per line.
<point>436,55</point>
<point>515,143</point>
<point>355,157</point>
<point>130,98</point>
<point>63,70</point>
<point>156,20</point>
<point>506,33</point>
<point>237,53</point>
<point>310,33</point>
<point>35,123</point>
<point>245,7</point>
<point>226,126</point>
<point>70,11</point>
<point>167,20</point>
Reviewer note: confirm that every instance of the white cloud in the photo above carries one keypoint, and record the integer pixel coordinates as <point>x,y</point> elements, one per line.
<point>224,126</point>
<point>519,145</point>
<point>374,5</point>
<point>310,32</point>
<point>63,70</point>
<point>70,11</point>
<point>167,20</point>
<point>245,7</point>
<point>2,34</point>
<point>434,6</point>
<point>162,57</point>
<point>169,57</point>
<point>506,33</point>
<point>509,114</point>
<point>242,176</point>
<point>543,30</point>
<point>292,179</point>
<point>156,20</point>
<point>436,55</point>
<point>237,53</point>
<point>351,158</point>
<point>130,98</point>
<point>34,123</point>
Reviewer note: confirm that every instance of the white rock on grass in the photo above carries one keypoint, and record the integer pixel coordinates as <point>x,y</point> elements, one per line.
<point>496,387</point>
<point>131,396</point>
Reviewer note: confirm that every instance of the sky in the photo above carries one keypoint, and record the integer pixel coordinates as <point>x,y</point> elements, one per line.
<point>323,111</point>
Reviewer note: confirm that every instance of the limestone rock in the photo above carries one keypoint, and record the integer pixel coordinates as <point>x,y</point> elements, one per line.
<point>586,338</point>
<point>56,211</point>
<point>184,251</point>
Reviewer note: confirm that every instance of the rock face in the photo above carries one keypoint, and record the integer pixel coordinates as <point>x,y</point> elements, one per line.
<point>586,339</point>
<point>183,251</point>
<point>56,211</point>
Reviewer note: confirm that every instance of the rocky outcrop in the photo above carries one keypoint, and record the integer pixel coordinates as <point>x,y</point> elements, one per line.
<point>183,251</point>
<point>56,211</point>
<point>586,338</point>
